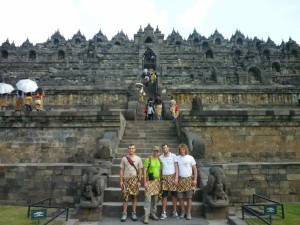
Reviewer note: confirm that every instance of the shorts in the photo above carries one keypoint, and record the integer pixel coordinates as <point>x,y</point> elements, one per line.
<point>165,193</point>
<point>185,194</point>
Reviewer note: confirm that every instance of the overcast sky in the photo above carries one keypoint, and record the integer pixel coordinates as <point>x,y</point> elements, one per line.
<point>38,20</point>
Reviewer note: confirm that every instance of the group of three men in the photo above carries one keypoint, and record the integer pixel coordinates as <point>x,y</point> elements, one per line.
<point>161,174</point>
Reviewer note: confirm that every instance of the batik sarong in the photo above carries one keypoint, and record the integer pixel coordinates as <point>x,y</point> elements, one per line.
<point>185,184</point>
<point>39,104</point>
<point>167,183</point>
<point>153,187</point>
<point>158,109</point>
<point>3,101</point>
<point>19,104</point>
<point>130,187</point>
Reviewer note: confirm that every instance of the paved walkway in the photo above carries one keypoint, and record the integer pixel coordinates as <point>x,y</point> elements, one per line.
<point>234,219</point>
<point>167,221</point>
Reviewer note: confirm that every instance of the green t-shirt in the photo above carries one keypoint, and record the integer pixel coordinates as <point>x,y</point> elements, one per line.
<point>154,168</point>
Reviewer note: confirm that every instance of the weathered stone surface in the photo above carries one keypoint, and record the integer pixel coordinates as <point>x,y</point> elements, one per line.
<point>213,213</point>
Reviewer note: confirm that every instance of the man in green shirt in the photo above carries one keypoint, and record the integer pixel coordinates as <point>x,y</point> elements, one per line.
<point>152,170</point>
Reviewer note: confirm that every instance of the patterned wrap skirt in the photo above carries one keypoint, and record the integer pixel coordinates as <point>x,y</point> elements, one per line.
<point>40,105</point>
<point>158,109</point>
<point>185,184</point>
<point>167,183</point>
<point>153,187</point>
<point>130,187</point>
<point>3,101</point>
<point>19,104</point>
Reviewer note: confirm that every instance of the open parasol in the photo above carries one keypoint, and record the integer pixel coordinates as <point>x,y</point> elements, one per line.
<point>139,85</point>
<point>6,88</point>
<point>27,85</point>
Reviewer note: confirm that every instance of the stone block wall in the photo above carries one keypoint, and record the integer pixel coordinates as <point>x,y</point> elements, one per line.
<point>277,181</point>
<point>246,135</point>
<point>22,184</point>
<point>55,136</point>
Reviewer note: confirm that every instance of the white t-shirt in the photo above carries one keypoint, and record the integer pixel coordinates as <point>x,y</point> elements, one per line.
<point>168,167</point>
<point>185,164</point>
<point>150,110</point>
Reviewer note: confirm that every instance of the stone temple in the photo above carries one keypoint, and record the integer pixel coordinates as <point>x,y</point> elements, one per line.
<point>248,122</point>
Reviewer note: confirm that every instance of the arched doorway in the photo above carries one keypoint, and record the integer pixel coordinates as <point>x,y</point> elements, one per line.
<point>254,76</point>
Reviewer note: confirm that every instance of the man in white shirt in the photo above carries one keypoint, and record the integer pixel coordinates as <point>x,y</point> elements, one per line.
<point>169,180</point>
<point>186,181</point>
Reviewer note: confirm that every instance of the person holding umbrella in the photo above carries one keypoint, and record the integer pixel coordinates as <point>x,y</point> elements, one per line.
<point>19,100</point>
<point>27,86</point>
<point>40,94</point>
<point>28,101</point>
<point>5,89</point>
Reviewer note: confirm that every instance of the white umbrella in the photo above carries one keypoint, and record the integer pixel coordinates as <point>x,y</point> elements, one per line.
<point>5,88</point>
<point>138,85</point>
<point>27,85</point>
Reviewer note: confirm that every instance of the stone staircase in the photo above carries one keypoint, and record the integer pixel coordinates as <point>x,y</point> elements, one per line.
<point>144,134</point>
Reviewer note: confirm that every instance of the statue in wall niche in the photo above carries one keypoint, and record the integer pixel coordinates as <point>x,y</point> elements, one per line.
<point>91,189</point>
<point>195,143</point>
<point>197,104</point>
<point>105,107</point>
<point>215,189</point>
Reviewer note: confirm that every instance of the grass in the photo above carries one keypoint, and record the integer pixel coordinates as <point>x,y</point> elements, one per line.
<point>291,216</point>
<point>17,215</point>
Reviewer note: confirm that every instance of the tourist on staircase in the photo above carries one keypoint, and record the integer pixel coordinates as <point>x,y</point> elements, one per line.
<point>150,110</point>
<point>152,170</point>
<point>172,106</point>
<point>28,101</point>
<point>19,100</point>
<point>142,93</point>
<point>3,101</point>
<point>158,107</point>
<point>39,102</point>
<point>169,180</point>
<point>130,180</point>
<point>186,182</point>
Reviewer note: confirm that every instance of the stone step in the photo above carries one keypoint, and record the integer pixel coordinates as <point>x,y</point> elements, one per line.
<point>113,194</point>
<point>150,133</point>
<point>72,222</point>
<point>142,155</point>
<point>117,161</point>
<point>173,144</point>
<point>150,136</point>
<point>111,209</point>
<point>166,123</point>
<point>144,150</point>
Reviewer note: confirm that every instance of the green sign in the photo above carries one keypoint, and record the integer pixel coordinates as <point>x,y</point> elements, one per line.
<point>37,214</point>
<point>270,209</point>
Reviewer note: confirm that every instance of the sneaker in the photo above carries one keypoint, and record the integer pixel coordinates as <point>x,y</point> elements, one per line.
<point>182,214</point>
<point>154,217</point>
<point>146,220</point>
<point>133,216</point>
<point>188,216</point>
<point>124,216</point>
<point>174,214</point>
<point>163,215</point>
